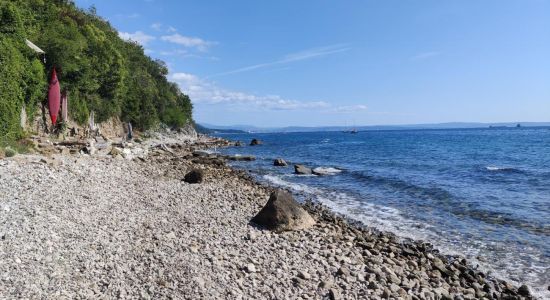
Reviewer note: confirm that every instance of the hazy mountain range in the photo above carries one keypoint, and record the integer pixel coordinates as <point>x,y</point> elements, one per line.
<point>453,125</point>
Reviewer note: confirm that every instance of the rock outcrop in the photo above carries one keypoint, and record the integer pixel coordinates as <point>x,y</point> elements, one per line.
<point>283,213</point>
<point>279,162</point>
<point>302,170</point>
<point>255,142</point>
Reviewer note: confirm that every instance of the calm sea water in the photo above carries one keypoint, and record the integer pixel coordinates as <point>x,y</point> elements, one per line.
<point>481,193</point>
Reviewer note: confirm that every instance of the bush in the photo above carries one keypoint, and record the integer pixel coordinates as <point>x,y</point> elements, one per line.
<point>10,152</point>
<point>99,70</point>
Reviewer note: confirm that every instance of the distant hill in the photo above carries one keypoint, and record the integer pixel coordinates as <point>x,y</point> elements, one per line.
<point>453,125</point>
<point>204,130</point>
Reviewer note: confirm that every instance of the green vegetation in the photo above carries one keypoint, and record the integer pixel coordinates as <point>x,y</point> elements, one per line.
<point>10,148</point>
<point>100,71</point>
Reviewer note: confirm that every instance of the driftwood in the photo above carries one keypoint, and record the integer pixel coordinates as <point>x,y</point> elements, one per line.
<point>71,143</point>
<point>163,147</point>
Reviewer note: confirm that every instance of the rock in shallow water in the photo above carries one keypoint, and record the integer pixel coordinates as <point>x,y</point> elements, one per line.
<point>255,142</point>
<point>524,290</point>
<point>283,213</point>
<point>279,162</point>
<point>302,170</point>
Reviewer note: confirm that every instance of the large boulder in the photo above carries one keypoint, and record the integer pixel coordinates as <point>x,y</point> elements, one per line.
<point>194,176</point>
<point>279,162</point>
<point>283,213</point>
<point>302,170</point>
<point>255,142</point>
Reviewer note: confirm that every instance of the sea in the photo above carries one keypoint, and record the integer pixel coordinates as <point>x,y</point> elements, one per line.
<point>480,193</point>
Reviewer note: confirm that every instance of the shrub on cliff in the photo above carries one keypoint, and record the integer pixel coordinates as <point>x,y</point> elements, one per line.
<point>100,71</point>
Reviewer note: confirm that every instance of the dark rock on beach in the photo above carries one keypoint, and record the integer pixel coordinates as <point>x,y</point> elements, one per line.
<point>255,142</point>
<point>279,162</point>
<point>302,170</point>
<point>194,176</point>
<point>283,213</point>
<point>241,157</point>
<point>201,153</point>
<point>524,291</point>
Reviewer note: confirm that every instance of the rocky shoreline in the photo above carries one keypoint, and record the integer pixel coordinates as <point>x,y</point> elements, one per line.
<point>125,225</point>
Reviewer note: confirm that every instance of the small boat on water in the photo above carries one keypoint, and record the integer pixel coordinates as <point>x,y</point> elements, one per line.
<point>54,97</point>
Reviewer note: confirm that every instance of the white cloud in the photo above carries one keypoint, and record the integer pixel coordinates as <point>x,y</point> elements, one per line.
<point>190,42</point>
<point>206,92</point>
<point>293,57</point>
<point>425,55</point>
<point>138,36</point>
<point>349,108</point>
<point>156,26</point>
<point>171,29</point>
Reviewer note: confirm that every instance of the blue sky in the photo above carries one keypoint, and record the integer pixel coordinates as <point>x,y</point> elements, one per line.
<point>320,62</point>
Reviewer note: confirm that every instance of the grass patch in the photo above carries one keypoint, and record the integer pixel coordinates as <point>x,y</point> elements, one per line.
<point>11,148</point>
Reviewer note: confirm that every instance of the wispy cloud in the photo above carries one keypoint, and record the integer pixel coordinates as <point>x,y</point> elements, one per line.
<point>186,41</point>
<point>161,27</point>
<point>425,55</point>
<point>293,57</point>
<point>206,92</point>
<point>349,108</point>
<point>138,36</point>
<point>156,26</point>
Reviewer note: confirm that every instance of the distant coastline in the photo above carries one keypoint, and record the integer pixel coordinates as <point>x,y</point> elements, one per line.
<point>451,125</point>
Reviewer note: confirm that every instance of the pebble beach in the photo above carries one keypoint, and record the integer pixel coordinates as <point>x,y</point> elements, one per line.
<point>113,226</point>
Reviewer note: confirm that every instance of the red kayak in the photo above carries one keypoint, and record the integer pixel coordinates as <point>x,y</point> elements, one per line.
<point>54,97</point>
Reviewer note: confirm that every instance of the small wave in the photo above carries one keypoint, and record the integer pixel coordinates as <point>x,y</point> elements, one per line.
<point>433,193</point>
<point>384,218</point>
<point>293,186</point>
<point>327,170</point>
<point>502,169</point>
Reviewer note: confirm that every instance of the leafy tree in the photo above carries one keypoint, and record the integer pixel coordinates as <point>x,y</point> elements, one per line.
<point>100,71</point>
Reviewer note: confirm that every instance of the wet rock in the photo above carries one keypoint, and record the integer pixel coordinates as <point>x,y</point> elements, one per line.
<point>524,291</point>
<point>201,153</point>
<point>302,170</point>
<point>283,213</point>
<point>241,157</point>
<point>255,142</point>
<point>279,162</point>
<point>194,176</point>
